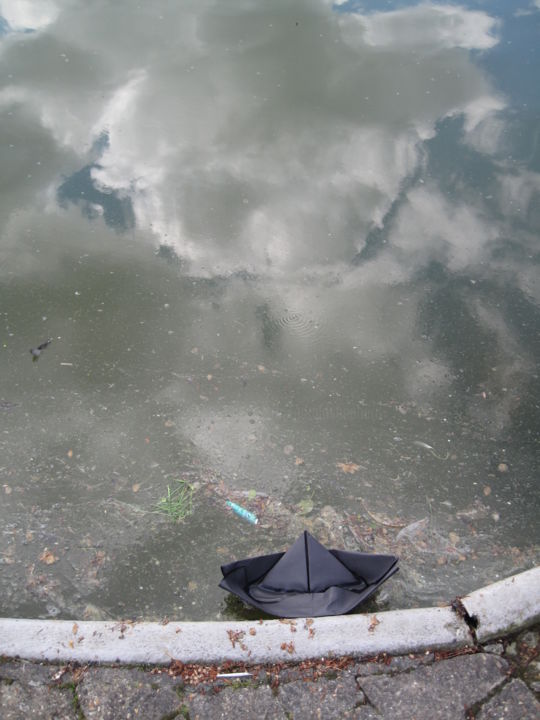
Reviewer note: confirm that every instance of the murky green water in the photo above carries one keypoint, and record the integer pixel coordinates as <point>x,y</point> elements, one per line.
<point>286,252</point>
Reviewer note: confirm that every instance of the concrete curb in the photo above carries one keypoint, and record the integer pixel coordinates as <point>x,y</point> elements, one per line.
<point>505,606</point>
<point>395,632</point>
<point>510,603</point>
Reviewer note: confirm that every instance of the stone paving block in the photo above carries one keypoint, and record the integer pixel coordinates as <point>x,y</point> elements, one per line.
<point>325,699</point>
<point>514,702</point>
<point>19,701</point>
<point>111,694</point>
<point>440,691</point>
<point>395,664</point>
<point>28,672</point>
<point>232,703</point>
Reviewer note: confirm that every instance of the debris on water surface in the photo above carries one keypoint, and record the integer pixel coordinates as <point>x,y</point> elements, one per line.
<point>305,506</point>
<point>429,448</point>
<point>7,405</point>
<point>348,467</point>
<point>178,503</point>
<point>413,529</point>
<point>476,511</point>
<point>383,520</point>
<point>48,557</point>
<point>243,513</point>
<point>36,352</point>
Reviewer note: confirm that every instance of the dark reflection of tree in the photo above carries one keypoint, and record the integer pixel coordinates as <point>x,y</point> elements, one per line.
<point>169,254</point>
<point>270,328</point>
<point>378,236</point>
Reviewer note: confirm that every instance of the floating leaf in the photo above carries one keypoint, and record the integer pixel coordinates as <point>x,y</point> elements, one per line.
<point>349,468</point>
<point>298,461</point>
<point>305,506</point>
<point>252,494</point>
<point>48,557</point>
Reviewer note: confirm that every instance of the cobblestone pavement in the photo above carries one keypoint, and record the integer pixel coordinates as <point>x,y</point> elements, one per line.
<point>499,680</point>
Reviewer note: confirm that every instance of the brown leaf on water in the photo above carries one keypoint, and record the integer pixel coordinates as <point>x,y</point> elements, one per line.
<point>48,557</point>
<point>75,628</point>
<point>487,490</point>
<point>298,461</point>
<point>192,586</point>
<point>136,487</point>
<point>70,453</point>
<point>252,631</point>
<point>8,489</point>
<point>373,623</point>
<point>349,468</point>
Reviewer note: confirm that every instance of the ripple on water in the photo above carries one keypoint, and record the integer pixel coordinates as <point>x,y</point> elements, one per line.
<point>301,326</point>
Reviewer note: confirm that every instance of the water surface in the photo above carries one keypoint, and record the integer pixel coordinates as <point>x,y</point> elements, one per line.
<point>287,253</point>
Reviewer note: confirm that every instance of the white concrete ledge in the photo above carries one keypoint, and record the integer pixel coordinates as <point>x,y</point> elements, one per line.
<point>395,632</point>
<point>505,606</point>
<point>499,609</point>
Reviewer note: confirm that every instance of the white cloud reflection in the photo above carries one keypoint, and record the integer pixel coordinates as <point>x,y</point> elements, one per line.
<point>29,14</point>
<point>251,142</point>
<point>243,152</point>
<point>427,26</point>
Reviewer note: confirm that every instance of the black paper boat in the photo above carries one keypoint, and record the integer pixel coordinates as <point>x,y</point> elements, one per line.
<point>308,580</point>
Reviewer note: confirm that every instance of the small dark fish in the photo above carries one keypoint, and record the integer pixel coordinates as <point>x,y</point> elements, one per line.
<point>36,352</point>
